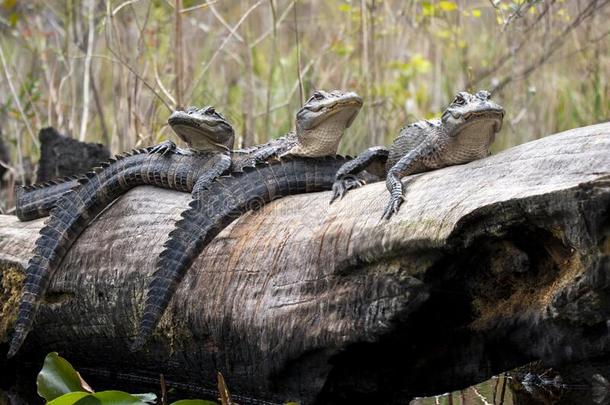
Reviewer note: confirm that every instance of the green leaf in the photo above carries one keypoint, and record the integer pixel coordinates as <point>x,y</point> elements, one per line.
<point>346,8</point>
<point>427,8</point>
<point>194,402</point>
<point>8,4</point>
<point>447,5</point>
<point>117,398</point>
<point>13,19</point>
<point>98,398</point>
<point>70,398</point>
<point>146,397</point>
<point>58,377</point>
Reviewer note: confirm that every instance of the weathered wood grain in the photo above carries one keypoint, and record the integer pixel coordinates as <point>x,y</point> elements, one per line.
<point>487,266</point>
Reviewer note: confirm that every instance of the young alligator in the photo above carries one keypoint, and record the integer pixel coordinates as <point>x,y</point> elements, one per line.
<point>209,136</point>
<point>318,132</point>
<point>181,170</point>
<point>464,133</point>
<point>37,200</point>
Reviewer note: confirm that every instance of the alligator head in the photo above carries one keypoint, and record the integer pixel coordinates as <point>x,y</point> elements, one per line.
<point>203,129</point>
<point>474,115</point>
<point>320,123</point>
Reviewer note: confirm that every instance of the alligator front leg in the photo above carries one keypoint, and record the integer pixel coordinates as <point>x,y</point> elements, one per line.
<point>261,155</point>
<point>219,168</point>
<point>347,179</point>
<point>408,164</point>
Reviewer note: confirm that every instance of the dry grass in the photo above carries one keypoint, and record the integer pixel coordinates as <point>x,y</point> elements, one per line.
<point>111,71</point>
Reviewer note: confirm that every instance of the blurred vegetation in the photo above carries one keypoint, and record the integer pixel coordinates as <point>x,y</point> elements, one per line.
<point>111,71</point>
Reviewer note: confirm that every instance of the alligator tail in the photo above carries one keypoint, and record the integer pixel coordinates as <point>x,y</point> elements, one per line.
<point>215,208</point>
<point>37,200</point>
<point>76,209</point>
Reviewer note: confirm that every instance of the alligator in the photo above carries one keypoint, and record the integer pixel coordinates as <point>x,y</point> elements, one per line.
<point>318,132</point>
<point>180,170</point>
<point>464,133</point>
<point>209,137</point>
<point>213,132</point>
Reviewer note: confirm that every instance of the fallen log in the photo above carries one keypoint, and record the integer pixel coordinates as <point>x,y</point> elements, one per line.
<point>487,266</point>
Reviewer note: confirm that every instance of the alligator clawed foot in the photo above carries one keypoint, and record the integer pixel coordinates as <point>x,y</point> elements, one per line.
<point>339,191</point>
<point>341,187</point>
<point>392,207</point>
<point>163,148</point>
<point>251,162</point>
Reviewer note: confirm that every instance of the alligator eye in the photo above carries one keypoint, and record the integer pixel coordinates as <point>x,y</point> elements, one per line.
<point>459,100</point>
<point>210,111</point>
<point>318,96</point>
<point>484,95</point>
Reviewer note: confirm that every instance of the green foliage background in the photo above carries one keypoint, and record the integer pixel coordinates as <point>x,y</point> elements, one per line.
<point>111,71</point>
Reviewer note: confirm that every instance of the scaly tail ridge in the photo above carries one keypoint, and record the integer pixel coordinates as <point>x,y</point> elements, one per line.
<point>37,200</point>
<point>75,210</point>
<point>215,208</point>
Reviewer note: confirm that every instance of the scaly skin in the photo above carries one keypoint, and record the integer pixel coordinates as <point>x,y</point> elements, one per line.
<point>37,201</point>
<point>209,137</point>
<point>162,165</point>
<point>320,125</point>
<point>464,133</point>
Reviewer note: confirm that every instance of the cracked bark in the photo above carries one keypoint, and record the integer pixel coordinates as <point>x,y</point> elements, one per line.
<point>487,266</point>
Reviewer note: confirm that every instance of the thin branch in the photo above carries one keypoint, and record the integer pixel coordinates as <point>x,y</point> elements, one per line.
<point>119,7</point>
<point>100,110</point>
<point>222,45</point>
<point>249,135</point>
<point>224,23</point>
<point>480,396</point>
<point>87,71</point>
<point>160,84</point>
<point>585,47</point>
<point>298,49</point>
<point>519,11</point>
<point>19,149</point>
<point>555,44</point>
<point>503,391</point>
<point>271,67</point>
<point>275,25</point>
<point>9,80</point>
<point>511,54</point>
<point>158,80</point>
<point>178,53</point>
<point>137,75</point>
<point>295,87</point>
<point>204,5</point>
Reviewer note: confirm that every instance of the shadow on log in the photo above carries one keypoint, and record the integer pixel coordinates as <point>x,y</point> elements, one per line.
<point>488,266</point>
